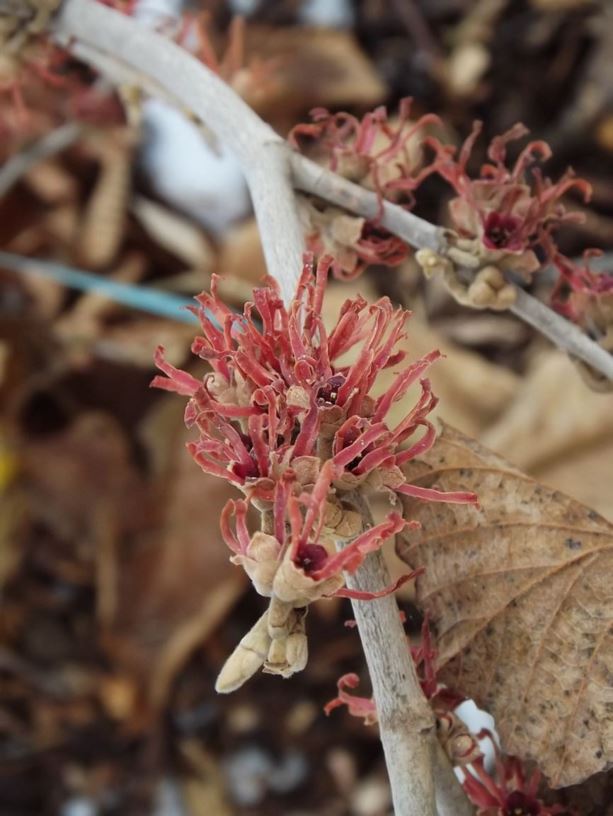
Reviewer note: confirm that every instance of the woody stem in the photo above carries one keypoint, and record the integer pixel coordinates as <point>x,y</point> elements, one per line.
<point>421,777</point>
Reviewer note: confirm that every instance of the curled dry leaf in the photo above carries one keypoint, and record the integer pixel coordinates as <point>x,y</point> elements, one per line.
<point>520,593</point>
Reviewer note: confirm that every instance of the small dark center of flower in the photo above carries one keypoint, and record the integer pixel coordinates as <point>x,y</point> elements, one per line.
<point>499,230</point>
<point>311,557</point>
<point>518,804</point>
<point>350,437</point>
<point>329,391</point>
<point>245,471</point>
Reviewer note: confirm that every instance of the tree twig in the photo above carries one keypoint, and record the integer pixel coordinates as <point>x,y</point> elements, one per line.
<point>402,709</point>
<point>317,180</point>
<point>180,77</point>
<point>562,332</point>
<point>420,773</point>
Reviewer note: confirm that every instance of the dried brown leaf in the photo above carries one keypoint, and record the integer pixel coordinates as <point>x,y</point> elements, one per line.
<point>316,66</point>
<point>519,591</point>
<point>177,589</point>
<point>552,414</point>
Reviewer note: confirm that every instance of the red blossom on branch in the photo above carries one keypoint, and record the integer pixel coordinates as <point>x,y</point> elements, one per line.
<point>507,791</point>
<point>385,156</point>
<point>286,413</point>
<point>507,210</point>
<point>443,700</point>
<point>278,393</point>
<point>584,296</point>
<point>298,562</point>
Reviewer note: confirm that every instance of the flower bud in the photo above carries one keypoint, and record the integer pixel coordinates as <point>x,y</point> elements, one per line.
<point>246,658</point>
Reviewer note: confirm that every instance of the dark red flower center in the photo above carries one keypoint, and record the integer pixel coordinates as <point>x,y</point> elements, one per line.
<point>245,470</point>
<point>518,804</point>
<point>500,230</point>
<point>311,557</point>
<point>329,391</point>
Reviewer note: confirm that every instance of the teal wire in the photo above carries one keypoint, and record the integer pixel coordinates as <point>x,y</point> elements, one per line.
<point>144,298</point>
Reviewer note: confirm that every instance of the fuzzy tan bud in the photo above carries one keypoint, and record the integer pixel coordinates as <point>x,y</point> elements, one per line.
<point>288,654</point>
<point>246,659</point>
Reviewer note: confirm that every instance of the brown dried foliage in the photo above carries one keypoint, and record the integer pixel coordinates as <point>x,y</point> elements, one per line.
<point>520,593</point>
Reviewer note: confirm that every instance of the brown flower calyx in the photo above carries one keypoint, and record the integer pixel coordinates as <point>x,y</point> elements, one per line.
<point>487,288</point>
<point>276,643</point>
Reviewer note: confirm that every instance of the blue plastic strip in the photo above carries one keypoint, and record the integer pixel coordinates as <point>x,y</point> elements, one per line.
<point>144,298</point>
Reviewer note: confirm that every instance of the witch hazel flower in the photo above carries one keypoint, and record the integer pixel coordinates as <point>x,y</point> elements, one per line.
<point>298,561</point>
<point>504,219</point>
<point>503,215</point>
<point>287,414</point>
<point>279,394</point>
<point>354,242</point>
<point>581,294</point>
<point>459,744</point>
<point>508,791</point>
<point>294,564</point>
<point>384,156</point>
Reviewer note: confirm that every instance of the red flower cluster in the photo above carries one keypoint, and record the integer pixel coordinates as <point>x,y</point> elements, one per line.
<point>386,157</point>
<point>287,415</point>
<point>460,745</point>
<point>279,396</point>
<point>584,296</point>
<point>505,217</point>
<point>507,211</point>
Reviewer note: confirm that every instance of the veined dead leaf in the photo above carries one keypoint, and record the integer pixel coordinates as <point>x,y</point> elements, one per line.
<point>519,591</point>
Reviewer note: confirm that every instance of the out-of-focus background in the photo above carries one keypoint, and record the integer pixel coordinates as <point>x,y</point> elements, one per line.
<point>119,604</point>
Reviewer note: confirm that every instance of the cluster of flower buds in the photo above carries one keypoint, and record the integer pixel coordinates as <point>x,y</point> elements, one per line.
<point>287,415</point>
